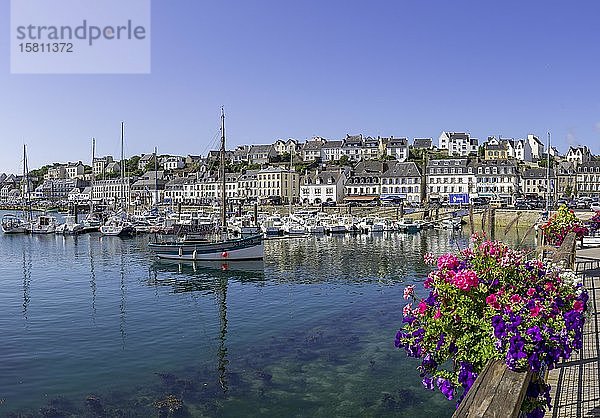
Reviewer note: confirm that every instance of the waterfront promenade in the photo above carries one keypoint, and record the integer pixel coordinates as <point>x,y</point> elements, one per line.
<point>576,383</point>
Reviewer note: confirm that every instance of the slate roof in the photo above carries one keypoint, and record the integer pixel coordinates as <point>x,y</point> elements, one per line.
<point>403,169</point>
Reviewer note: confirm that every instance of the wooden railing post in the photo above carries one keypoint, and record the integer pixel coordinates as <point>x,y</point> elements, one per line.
<point>498,392</point>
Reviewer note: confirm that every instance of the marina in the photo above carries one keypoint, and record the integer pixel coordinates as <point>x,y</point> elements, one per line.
<point>94,318</point>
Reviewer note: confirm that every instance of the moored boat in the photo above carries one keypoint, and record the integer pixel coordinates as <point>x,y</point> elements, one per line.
<point>69,227</point>
<point>44,224</point>
<point>12,224</point>
<point>223,248</point>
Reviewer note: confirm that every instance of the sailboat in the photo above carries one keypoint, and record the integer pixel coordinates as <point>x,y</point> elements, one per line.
<point>118,224</point>
<point>194,248</point>
<point>12,224</point>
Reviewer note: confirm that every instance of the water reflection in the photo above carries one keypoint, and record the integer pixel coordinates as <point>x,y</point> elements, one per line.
<point>92,282</point>
<point>123,303</point>
<point>209,278</point>
<point>26,283</point>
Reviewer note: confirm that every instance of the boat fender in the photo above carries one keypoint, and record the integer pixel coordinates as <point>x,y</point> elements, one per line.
<point>194,254</point>
<point>180,252</point>
<point>224,254</point>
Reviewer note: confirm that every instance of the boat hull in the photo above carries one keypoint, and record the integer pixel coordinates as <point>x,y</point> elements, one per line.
<point>242,249</point>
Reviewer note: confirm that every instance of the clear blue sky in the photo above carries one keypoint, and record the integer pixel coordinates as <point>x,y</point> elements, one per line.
<point>297,69</point>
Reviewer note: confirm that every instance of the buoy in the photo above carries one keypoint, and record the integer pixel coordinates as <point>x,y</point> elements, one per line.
<point>224,254</point>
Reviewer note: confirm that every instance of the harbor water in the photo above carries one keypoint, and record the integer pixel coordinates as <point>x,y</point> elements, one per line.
<point>97,326</point>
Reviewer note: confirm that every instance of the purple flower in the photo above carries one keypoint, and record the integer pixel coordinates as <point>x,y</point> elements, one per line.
<point>466,376</point>
<point>572,320</point>
<point>536,413</point>
<point>428,383</point>
<point>440,342</point>
<point>446,388</point>
<point>499,326</point>
<point>428,362</point>
<point>431,299</point>
<point>535,334</point>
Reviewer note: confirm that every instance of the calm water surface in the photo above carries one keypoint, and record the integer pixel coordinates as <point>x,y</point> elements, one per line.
<point>95,326</point>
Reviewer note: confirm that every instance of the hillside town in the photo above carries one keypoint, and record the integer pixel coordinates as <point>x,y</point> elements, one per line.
<point>357,169</point>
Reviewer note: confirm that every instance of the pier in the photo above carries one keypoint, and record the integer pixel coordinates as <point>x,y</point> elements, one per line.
<point>576,382</point>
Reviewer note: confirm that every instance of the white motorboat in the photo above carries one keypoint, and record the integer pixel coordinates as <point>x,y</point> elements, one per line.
<point>44,224</point>
<point>12,224</point>
<point>69,227</point>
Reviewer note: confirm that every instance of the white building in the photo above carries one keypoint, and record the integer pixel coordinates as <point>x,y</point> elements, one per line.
<point>312,150</point>
<point>290,146</point>
<point>534,181</point>
<point>523,151</point>
<point>498,179</point>
<point>458,143</point>
<point>332,150</point>
<point>450,176</point>
<point>277,184</point>
<point>370,148</point>
<point>100,165</point>
<point>112,190</point>
<point>75,170</point>
<point>402,181</point>
<point>317,186</point>
<point>395,147</point>
<point>173,162</point>
<point>578,155</point>
<point>352,147</point>
<point>537,148</point>
<point>80,196</point>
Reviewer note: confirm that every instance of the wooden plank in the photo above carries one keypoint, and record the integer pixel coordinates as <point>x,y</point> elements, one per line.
<point>497,392</point>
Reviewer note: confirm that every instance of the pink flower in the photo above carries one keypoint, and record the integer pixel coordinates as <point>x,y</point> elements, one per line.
<point>549,287</point>
<point>422,307</point>
<point>409,291</point>
<point>437,314</point>
<point>447,261</point>
<point>578,306</point>
<point>407,310</point>
<point>515,299</point>
<point>535,311</point>
<point>530,291</point>
<point>429,259</point>
<point>465,280</point>
<point>492,300</point>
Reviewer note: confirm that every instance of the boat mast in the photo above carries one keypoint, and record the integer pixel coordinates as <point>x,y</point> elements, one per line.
<point>155,178</point>
<point>548,178</point>
<point>26,190</point>
<point>122,165</point>
<point>223,196</point>
<point>92,182</point>
<point>290,183</point>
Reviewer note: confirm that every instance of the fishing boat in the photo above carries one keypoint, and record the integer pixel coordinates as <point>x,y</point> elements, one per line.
<point>193,248</point>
